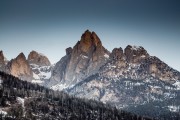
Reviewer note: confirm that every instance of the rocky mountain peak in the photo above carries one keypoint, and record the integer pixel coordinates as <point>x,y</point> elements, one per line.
<point>89,40</point>
<point>21,57</point>
<point>96,39</point>
<point>84,59</point>
<point>38,59</point>
<point>19,67</point>
<point>135,54</point>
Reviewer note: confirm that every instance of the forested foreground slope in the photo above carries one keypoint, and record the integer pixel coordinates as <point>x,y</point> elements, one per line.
<point>26,101</point>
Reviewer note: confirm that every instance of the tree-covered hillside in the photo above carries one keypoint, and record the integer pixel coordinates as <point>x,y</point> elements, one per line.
<point>21,100</point>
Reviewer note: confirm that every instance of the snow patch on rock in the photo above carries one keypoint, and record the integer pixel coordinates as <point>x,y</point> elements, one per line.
<point>174,108</point>
<point>83,56</point>
<point>135,47</point>
<point>59,87</point>
<point>106,55</point>
<point>20,100</point>
<point>3,113</point>
<point>37,81</point>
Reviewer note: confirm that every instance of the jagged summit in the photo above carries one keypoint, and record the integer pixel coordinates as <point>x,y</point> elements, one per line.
<point>21,56</point>
<point>38,59</point>
<point>19,67</point>
<point>88,41</point>
<point>135,54</point>
<point>117,53</point>
<point>84,59</point>
<point>69,50</point>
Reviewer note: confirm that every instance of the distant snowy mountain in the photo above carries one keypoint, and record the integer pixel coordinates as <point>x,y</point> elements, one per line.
<point>37,68</point>
<point>40,73</point>
<point>40,66</point>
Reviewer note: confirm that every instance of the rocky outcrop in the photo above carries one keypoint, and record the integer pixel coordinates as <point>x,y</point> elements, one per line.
<point>59,70</point>
<point>2,61</point>
<point>69,51</point>
<point>135,54</point>
<point>84,59</point>
<point>117,53</point>
<point>19,67</point>
<point>38,59</point>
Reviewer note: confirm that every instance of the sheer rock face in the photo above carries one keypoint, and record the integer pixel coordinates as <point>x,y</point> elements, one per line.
<point>84,59</point>
<point>2,61</point>
<point>38,59</point>
<point>19,67</point>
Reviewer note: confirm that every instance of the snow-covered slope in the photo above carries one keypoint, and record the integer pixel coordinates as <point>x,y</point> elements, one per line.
<point>40,66</point>
<point>40,73</point>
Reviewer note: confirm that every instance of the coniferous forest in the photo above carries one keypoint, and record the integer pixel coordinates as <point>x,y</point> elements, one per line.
<point>21,100</point>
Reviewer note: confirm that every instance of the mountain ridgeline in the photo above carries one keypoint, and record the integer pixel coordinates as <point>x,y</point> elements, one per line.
<point>130,79</point>
<point>89,57</point>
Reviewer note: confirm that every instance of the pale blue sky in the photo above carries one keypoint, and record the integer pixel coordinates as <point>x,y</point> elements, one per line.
<point>50,27</point>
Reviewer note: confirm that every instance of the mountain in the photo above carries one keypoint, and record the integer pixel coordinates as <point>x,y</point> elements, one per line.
<point>84,59</point>
<point>40,66</point>
<point>38,59</point>
<point>20,67</point>
<point>130,79</point>
<point>37,68</point>
<point>89,57</point>
<point>136,63</point>
<point>134,81</point>
<point>22,100</point>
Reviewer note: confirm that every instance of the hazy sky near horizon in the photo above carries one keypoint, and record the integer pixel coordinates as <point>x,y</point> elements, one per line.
<point>50,26</point>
